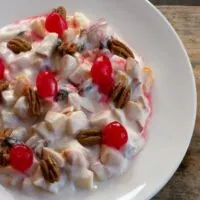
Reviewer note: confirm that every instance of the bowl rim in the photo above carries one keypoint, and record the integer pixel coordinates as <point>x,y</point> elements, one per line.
<point>194,88</point>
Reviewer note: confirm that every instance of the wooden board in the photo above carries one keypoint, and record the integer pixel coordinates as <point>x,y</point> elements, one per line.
<point>185,184</point>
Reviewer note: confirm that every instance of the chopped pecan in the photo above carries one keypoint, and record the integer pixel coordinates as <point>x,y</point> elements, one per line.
<point>4,157</point>
<point>33,101</point>
<point>121,94</point>
<point>61,10</point>
<point>4,85</point>
<point>4,133</point>
<point>18,45</point>
<point>50,170</point>
<point>89,137</point>
<point>119,48</point>
<point>67,48</point>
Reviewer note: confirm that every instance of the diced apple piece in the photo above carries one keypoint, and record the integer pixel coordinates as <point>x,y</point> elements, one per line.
<point>135,112</point>
<point>99,171</point>
<point>84,178</point>
<point>56,122</point>
<point>134,145</point>
<point>47,46</point>
<point>55,155</point>
<point>74,100</point>
<point>80,74</point>
<point>42,129</point>
<point>77,121</point>
<point>133,69</point>
<point>38,27</point>
<point>118,63</point>
<point>8,97</point>
<point>20,133</point>
<point>67,64</point>
<point>21,108</point>
<point>9,119</point>
<point>21,84</point>
<point>101,119</point>
<point>148,79</point>
<point>82,20</point>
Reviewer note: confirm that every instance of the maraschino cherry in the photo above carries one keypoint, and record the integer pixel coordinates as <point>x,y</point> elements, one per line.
<point>2,69</point>
<point>46,84</point>
<point>55,23</point>
<point>21,157</point>
<point>101,73</point>
<point>114,135</point>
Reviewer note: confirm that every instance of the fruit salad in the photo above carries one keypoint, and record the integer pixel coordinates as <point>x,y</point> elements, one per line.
<point>75,102</point>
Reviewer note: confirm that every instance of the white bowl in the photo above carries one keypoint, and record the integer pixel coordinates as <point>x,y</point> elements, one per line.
<point>174,95</point>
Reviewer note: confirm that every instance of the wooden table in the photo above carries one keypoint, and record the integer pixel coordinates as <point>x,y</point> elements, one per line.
<point>185,184</point>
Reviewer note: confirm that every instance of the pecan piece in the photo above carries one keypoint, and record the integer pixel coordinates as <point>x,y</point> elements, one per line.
<point>4,85</point>
<point>67,48</point>
<point>121,94</point>
<point>4,157</point>
<point>119,48</point>
<point>61,10</point>
<point>4,133</point>
<point>18,45</point>
<point>33,101</point>
<point>50,170</point>
<point>89,137</point>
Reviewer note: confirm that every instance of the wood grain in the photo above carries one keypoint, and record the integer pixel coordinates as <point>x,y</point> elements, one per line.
<point>185,184</point>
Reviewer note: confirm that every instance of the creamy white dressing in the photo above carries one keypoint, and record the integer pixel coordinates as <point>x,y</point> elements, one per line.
<point>89,107</point>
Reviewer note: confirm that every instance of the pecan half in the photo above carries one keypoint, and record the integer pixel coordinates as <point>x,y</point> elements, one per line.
<point>119,48</point>
<point>4,157</point>
<point>89,137</point>
<point>33,101</point>
<point>4,133</point>
<point>67,48</point>
<point>121,94</point>
<point>61,10</point>
<point>50,170</point>
<point>4,85</point>
<point>18,45</point>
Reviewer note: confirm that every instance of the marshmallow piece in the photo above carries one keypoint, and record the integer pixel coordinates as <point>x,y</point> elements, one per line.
<point>133,69</point>
<point>38,27</point>
<point>84,178</point>
<point>8,97</point>
<point>20,133</point>
<point>99,171</point>
<point>80,74</point>
<point>56,122</point>
<point>21,108</point>
<point>47,46</point>
<point>77,121</point>
<point>67,64</point>
<point>74,100</point>
<point>42,129</point>
<point>55,155</point>
<point>101,119</point>
<point>9,119</point>
<point>136,112</point>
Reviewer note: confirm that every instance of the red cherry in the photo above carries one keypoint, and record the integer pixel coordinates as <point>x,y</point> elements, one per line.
<point>46,84</point>
<point>101,73</point>
<point>115,135</point>
<point>21,157</point>
<point>2,69</point>
<point>55,23</point>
